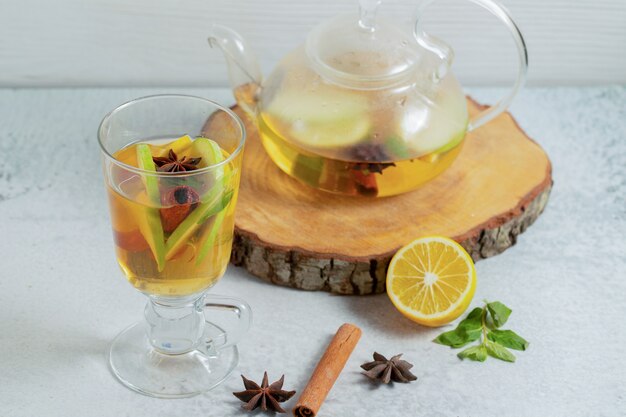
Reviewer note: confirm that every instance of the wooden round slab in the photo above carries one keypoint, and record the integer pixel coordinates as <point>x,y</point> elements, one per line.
<point>293,235</point>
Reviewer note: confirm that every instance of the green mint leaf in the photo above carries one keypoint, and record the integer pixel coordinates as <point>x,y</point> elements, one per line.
<point>475,353</point>
<point>499,313</point>
<point>455,339</point>
<point>508,338</point>
<point>475,314</point>
<point>468,330</point>
<point>499,352</point>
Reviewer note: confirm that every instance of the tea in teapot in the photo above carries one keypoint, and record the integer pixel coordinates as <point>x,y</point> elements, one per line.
<point>361,108</point>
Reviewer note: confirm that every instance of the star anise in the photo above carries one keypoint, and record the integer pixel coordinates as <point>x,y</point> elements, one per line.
<point>171,163</point>
<point>387,370</point>
<point>371,155</point>
<point>265,396</point>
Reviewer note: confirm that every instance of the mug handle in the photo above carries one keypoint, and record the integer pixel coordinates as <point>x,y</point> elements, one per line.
<point>445,53</point>
<point>236,306</point>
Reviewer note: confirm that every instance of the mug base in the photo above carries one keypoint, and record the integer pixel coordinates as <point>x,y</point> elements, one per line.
<point>140,367</point>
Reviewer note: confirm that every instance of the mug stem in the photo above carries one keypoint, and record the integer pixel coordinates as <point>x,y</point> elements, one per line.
<point>175,327</point>
<point>183,354</point>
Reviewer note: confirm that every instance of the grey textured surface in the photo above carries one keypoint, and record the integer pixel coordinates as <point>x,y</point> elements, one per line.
<point>62,298</point>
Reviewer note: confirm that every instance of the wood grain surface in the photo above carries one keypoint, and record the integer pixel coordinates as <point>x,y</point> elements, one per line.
<point>161,42</point>
<point>293,235</point>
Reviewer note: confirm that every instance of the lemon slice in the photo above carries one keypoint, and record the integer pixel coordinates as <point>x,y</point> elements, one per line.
<point>431,280</point>
<point>179,146</point>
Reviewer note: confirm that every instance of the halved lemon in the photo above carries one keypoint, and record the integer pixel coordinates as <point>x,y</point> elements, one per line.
<point>431,280</point>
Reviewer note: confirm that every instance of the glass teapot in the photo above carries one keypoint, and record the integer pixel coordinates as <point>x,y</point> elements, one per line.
<point>361,108</point>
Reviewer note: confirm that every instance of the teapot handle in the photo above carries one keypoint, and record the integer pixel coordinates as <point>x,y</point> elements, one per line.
<point>445,53</point>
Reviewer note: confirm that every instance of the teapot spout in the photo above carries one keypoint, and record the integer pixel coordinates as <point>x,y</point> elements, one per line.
<point>243,67</point>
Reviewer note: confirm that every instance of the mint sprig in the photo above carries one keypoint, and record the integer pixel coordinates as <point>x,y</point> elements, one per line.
<point>484,324</point>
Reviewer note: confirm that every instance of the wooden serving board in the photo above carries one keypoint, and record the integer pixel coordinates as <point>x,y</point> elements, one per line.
<point>290,234</point>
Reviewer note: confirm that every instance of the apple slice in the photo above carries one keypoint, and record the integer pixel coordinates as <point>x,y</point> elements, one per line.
<point>209,240</point>
<point>442,128</point>
<point>339,133</point>
<point>213,202</point>
<point>210,204</point>
<point>210,152</point>
<point>149,218</point>
<point>210,234</point>
<point>321,119</point>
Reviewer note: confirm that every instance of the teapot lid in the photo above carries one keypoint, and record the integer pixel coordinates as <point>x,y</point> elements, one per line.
<point>363,51</point>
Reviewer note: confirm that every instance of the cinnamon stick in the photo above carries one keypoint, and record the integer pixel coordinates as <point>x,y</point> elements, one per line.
<point>327,371</point>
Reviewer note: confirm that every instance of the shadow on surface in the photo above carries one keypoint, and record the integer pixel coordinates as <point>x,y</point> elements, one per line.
<point>43,348</point>
<point>378,313</point>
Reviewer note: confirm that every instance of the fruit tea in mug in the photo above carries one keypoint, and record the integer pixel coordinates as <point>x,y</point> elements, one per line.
<point>172,165</point>
<point>173,233</point>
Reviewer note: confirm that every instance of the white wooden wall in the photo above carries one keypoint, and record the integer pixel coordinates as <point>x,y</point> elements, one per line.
<point>163,42</point>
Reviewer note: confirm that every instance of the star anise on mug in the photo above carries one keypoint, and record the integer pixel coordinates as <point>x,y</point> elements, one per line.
<point>265,396</point>
<point>387,370</point>
<point>171,163</point>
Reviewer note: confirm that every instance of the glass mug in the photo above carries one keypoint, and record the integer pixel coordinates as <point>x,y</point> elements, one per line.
<point>176,351</point>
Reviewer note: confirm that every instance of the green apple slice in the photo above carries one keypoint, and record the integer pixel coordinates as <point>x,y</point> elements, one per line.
<point>321,119</point>
<point>440,136</point>
<point>193,221</point>
<point>208,239</point>
<point>149,219</point>
<point>337,134</point>
<point>214,201</point>
<point>317,107</point>
<point>210,152</point>
<point>444,127</point>
<point>458,138</point>
<point>211,203</point>
<point>151,182</point>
